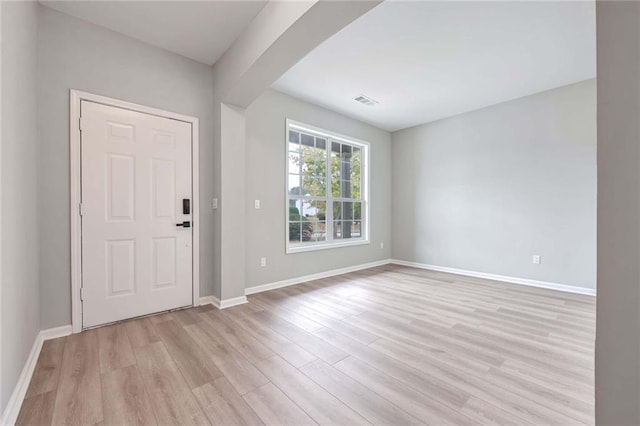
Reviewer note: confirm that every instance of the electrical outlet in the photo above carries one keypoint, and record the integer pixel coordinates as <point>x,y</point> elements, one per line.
<point>256,204</point>
<point>214,203</point>
<point>263,261</point>
<point>536,259</point>
<point>381,245</point>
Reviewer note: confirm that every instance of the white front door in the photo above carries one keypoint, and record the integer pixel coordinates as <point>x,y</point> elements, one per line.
<point>136,172</point>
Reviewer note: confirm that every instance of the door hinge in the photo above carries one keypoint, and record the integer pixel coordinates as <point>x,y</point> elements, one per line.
<point>81,123</point>
<point>82,293</point>
<point>80,210</point>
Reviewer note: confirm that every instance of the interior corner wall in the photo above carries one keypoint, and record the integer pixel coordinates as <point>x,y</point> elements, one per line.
<point>232,154</point>
<point>74,54</point>
<point>216,176</point>
<point>20,319</point>
<point>486,190</point>
<point>265,180</point>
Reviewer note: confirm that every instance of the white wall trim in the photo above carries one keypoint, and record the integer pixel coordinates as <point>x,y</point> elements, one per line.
<point>235,301</point>
<point>10,414</point>
<point>223,304</point>
<point>206,300</point>
<point>54,333</point>
<point>503,278</point>
<point>76,97</point>
<point>305,278</point>
<point>334,272</point>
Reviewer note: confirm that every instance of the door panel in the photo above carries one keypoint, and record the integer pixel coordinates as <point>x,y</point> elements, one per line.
<point>136,169</point>
<point>121,263</point>
<point>164,191</point>
<point>164,262</point>
<point>120,189</point>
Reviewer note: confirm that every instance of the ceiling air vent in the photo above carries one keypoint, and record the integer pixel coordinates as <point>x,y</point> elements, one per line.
<point>365,100</point>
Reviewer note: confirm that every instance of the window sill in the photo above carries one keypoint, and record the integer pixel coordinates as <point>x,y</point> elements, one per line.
<point>313,247</point>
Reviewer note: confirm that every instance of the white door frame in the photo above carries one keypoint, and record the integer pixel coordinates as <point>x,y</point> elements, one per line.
<point>76,97</point>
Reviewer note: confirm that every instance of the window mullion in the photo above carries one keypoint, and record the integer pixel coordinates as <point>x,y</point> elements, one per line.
<point>329,208</point>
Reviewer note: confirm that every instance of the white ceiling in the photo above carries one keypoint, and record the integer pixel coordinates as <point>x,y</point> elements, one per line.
<point>424,61</point>
<point>200,30</point>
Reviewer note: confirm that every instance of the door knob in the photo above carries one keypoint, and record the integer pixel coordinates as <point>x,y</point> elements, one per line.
<point>185,224</point>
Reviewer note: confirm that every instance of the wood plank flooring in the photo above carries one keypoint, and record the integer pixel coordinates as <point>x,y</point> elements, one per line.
<point>390,345</point>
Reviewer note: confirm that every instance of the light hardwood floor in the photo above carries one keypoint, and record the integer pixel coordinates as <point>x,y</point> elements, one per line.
<point>390,345</point>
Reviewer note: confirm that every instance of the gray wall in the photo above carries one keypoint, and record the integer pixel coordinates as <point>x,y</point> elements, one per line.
<point>486,190</point>
<point>20,320</point>
<point>233,228</point>
<point>265,177</point>
<point>618,327</point>
<point>77,55</point>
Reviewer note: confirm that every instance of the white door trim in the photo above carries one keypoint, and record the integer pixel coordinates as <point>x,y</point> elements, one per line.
<point>76,97</point>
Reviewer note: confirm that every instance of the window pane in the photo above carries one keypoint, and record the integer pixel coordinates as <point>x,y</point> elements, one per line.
<point>310,209</point>
<point>321,143</point>
<point>294,232</point>
<point>307,140</point>
<point>356,229</point>
<point>294,185</point>
<point>335,170</point>
<point>314,170</point>
<point>306,231</point>
<point>357,211</point>
<point>313,186</point>
<point>346,152</point>
<point>301,216</point>
<point>346,172</point>
<point>294,141</point>
<point>304,207</point>
<point>346,229</point>
<point>354,190</point>
<point>345,187</point>
<point>294,210</point>
<point>337,230</point>
<point>347,210</point>
<point>320,231</point>
<point>356,173</point>
<point>294,162</point>
<point>321,210</point>
<point>314,161</point>
<point>314,217</point>
<point>337,210</point>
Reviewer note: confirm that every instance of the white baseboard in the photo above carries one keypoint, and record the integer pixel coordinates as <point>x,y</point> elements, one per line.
<point>223,304</point>
<point>228,303</point>
<point>54,333</point>
<point>11,411</point>
<point>503,278</point>
<point>209,300</point>
<point>306,278</point>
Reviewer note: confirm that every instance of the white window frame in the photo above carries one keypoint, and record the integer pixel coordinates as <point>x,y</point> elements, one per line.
<point>364,190</point>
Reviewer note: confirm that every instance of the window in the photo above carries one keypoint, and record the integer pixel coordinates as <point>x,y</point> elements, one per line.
<point>327,189</point>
